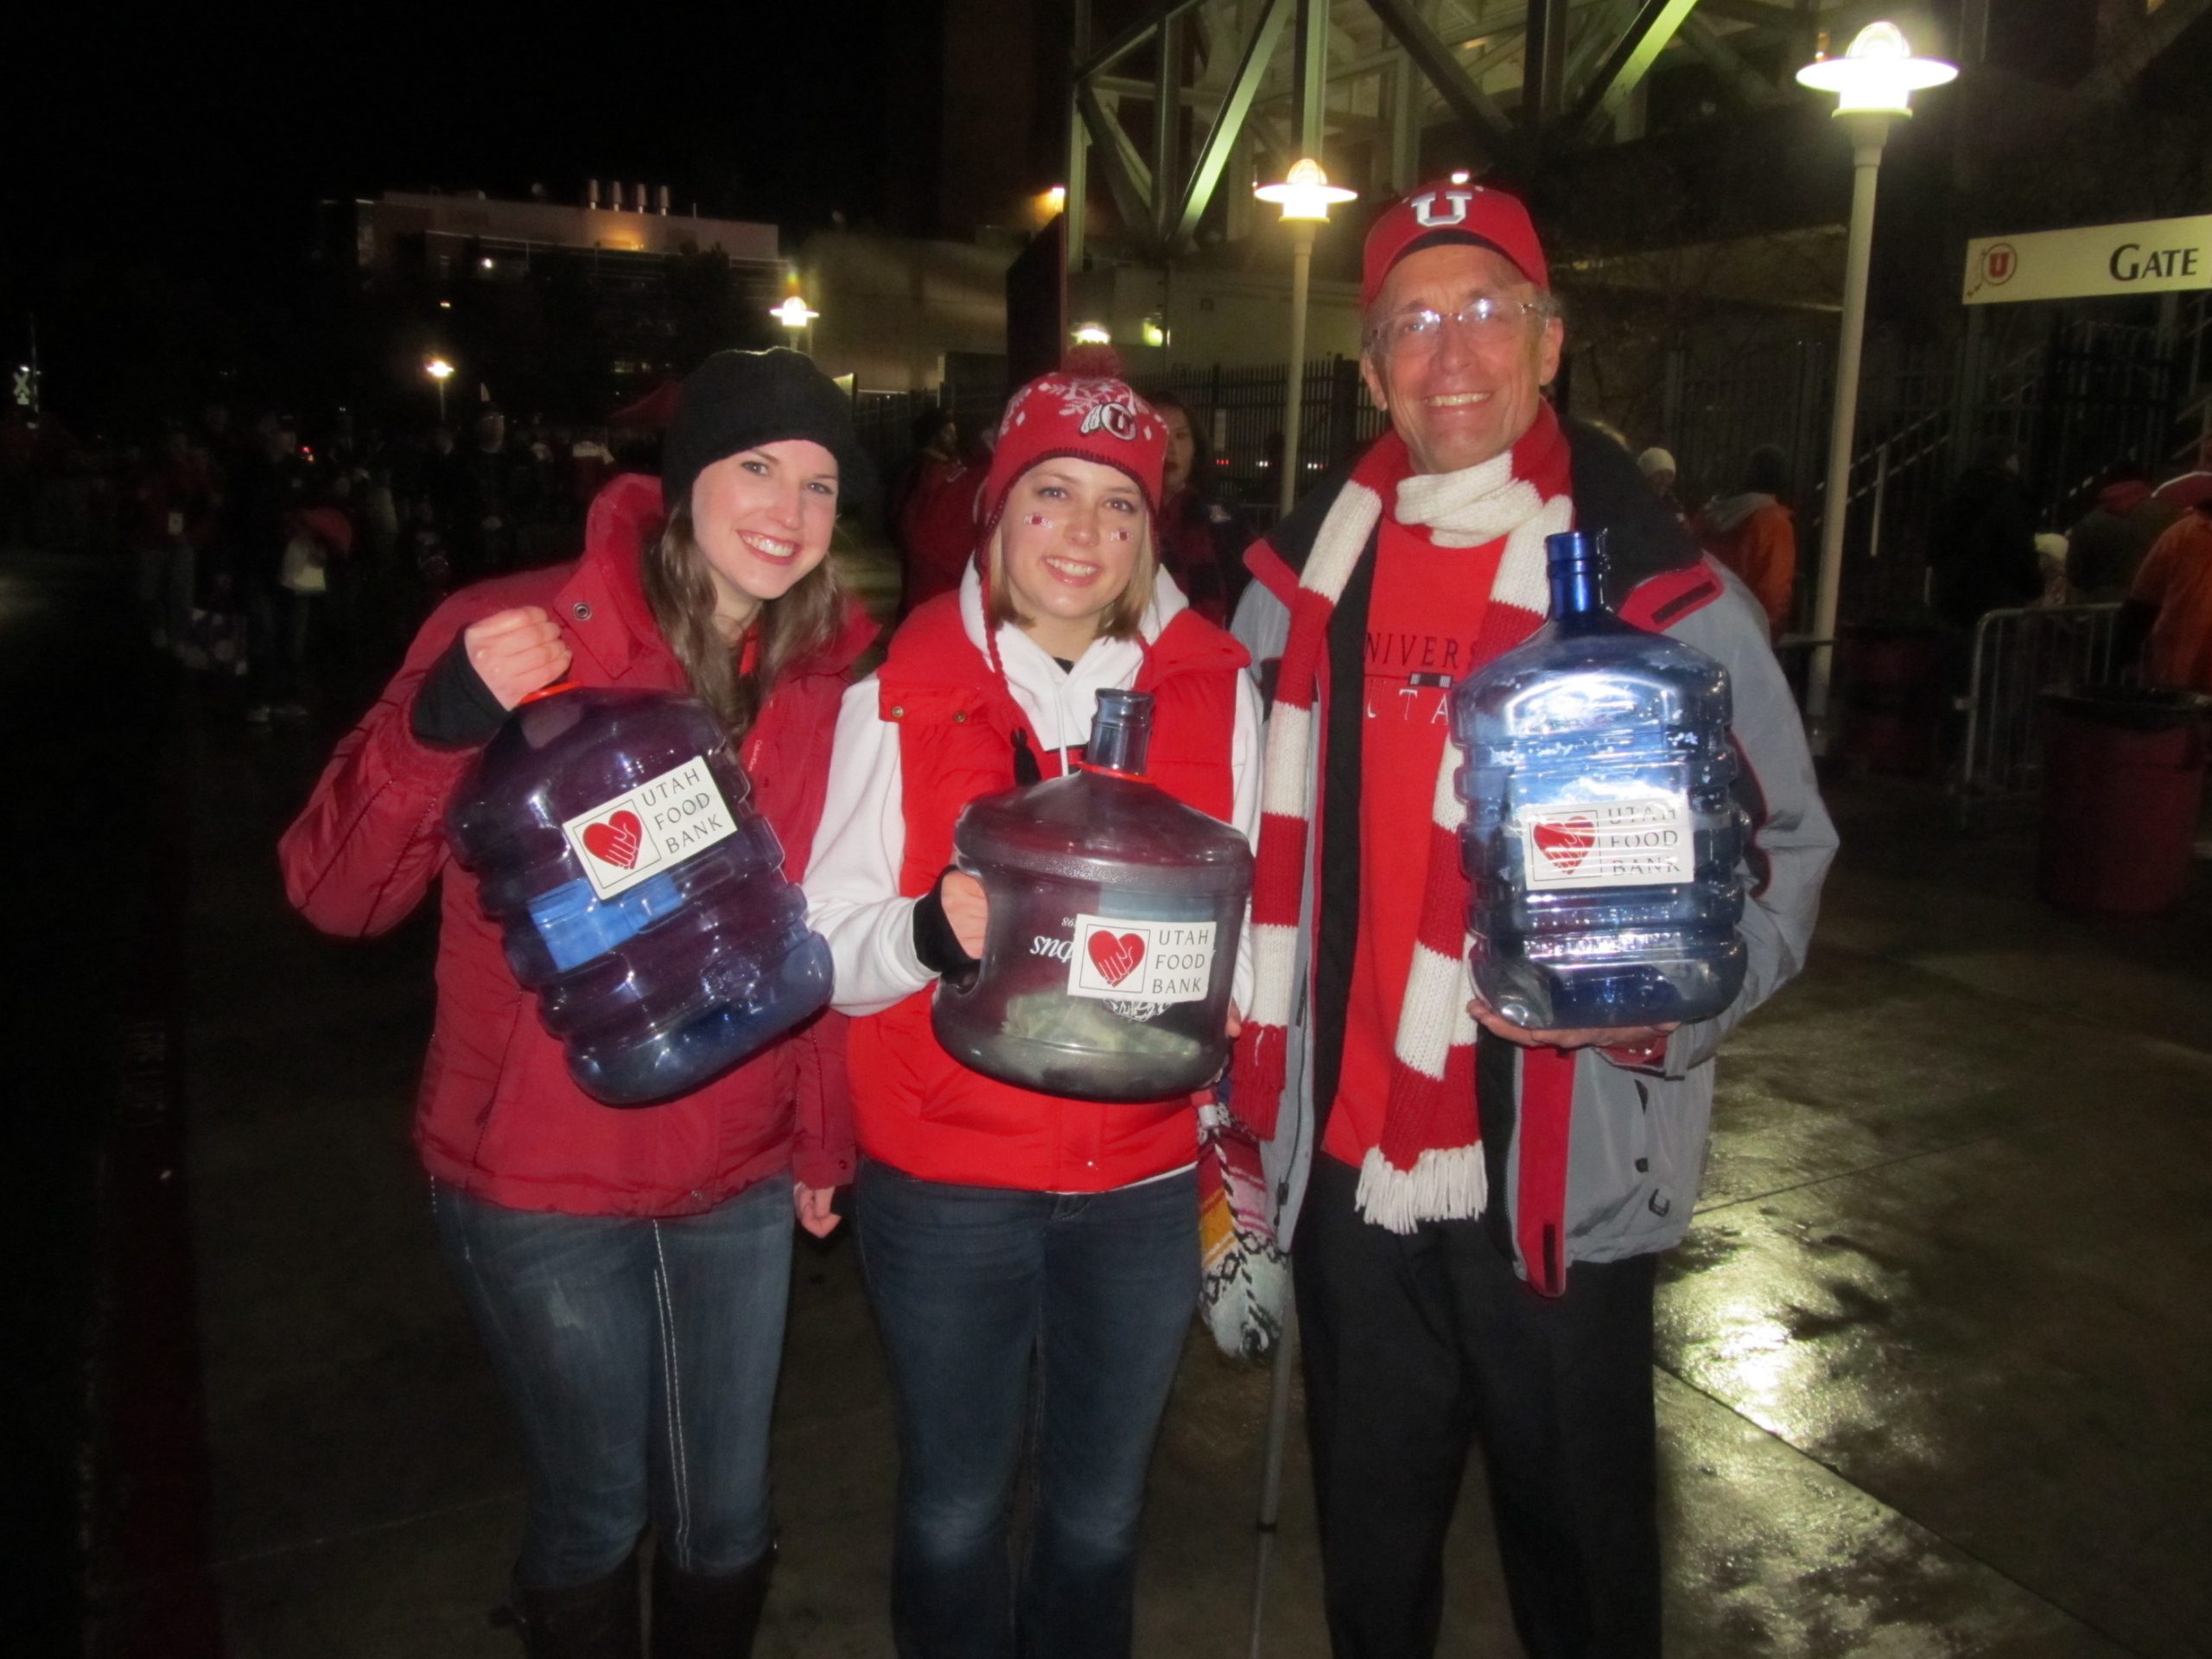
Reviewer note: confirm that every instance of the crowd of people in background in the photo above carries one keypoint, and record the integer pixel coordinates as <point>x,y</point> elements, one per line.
<point>2145,546</point>
<point>300,555</point>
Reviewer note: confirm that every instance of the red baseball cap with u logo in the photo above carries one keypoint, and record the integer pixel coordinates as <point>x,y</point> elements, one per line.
<point>1439,215</point>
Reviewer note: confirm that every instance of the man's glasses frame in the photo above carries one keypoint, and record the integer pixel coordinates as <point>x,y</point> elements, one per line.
<point>1420,327</point>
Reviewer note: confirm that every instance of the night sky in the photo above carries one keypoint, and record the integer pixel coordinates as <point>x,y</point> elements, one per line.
<point>173,167</point>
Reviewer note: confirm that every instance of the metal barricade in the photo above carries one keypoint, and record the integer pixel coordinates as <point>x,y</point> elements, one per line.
<point>2018,655</point>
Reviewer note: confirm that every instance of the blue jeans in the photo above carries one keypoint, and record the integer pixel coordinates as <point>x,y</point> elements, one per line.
<point>1002,1312</point>
<point>639,1357</point>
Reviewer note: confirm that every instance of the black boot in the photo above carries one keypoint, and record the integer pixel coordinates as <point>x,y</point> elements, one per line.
<point>707,1615</point>
<point>597,1620</point>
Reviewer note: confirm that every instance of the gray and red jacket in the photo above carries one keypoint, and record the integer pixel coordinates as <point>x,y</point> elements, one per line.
<point>1637,1148</point>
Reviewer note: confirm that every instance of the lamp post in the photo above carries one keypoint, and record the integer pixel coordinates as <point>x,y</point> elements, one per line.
<point>1873,83</point>
<point>796,315</point>
<point>1305,196</point>
<point>439,372</point>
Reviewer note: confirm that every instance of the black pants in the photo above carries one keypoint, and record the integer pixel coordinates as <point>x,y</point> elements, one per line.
<point>1414,1345</point>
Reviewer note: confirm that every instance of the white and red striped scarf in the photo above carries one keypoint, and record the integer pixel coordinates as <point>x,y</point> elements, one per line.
<point>1429,1164</point>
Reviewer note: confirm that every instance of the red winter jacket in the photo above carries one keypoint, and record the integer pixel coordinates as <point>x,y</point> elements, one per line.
<point>919,1109</point>
<point>936,529</point>
<point>498,1115</point>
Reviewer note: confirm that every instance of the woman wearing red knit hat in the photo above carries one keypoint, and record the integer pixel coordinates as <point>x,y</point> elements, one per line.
<point>1031,1258</point>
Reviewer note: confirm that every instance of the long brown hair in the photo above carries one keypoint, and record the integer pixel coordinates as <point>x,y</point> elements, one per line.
<point>681,591</point>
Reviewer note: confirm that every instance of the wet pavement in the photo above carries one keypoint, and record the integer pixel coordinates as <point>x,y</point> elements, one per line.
<point>1936,1370</point>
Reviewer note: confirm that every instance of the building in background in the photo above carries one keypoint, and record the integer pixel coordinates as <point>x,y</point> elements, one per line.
<point>453,235</point>
<point>567,310</point>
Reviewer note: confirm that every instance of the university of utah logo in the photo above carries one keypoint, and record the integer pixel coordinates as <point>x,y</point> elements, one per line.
<point>1116,420</point>
<point>1430,217</point>
<point>1999,263</point>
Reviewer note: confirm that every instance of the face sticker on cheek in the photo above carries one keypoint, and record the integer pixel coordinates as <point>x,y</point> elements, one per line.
<point>1037,521</point>
<point>1117,534</point>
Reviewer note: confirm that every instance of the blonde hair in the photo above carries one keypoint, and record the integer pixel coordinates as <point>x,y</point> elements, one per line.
<point>1122,617</point>
<point>680,590</point>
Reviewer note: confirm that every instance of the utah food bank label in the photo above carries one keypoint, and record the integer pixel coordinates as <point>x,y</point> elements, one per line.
<point>644,830</point>
<point>1641,843</point>
<point>1116,960</point>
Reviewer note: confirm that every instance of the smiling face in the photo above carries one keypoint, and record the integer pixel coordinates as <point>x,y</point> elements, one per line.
<point>763,518</point>
<point>1073,536</point>
<point>1467,394</point>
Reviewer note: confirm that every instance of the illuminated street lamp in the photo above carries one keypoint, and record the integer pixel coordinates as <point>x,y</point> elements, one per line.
<point>1305,197</point>
<point>797,316</point>
<point>1873,83</point>
<point>1878,75</point>
<point>441,372</point>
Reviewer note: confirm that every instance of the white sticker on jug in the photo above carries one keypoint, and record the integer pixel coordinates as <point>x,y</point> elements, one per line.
<point>1644,842</point>
<point>1116,960</point>
<point>659,823</point>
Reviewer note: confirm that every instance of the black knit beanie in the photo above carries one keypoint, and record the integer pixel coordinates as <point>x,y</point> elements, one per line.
<point>736,400</point>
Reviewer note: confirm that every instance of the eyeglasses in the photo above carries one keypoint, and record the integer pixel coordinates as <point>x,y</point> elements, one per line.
<point>1420,330</point>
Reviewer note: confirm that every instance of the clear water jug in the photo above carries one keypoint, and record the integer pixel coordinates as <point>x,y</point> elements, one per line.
<point>640,894</point>
<point>1600,836</point>
<point>1114,912</point>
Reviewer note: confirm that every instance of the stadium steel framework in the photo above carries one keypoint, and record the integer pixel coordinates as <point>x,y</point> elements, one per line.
<point>1524,80</point>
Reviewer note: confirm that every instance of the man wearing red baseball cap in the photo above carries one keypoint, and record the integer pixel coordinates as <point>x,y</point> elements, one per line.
<point>1461,1275</point>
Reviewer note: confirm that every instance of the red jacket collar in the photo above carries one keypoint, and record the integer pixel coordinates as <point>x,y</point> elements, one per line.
<point>603,603</point>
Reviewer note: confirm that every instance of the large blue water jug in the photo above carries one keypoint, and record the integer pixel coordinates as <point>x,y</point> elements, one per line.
<point>640,894</point>
<point>1600,837</point>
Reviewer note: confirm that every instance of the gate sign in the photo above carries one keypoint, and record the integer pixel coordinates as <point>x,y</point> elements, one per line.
<point>2150,255</point>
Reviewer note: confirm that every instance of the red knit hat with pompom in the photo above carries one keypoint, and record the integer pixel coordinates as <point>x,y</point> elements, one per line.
<point>1083,408</point>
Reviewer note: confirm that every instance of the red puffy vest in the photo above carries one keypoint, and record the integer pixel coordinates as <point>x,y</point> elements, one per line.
<point>918,1109</point>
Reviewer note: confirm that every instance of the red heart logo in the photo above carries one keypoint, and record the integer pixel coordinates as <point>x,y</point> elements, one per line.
<point>1117,958</point>
<point>1567,841</point>
<point>616,841</point>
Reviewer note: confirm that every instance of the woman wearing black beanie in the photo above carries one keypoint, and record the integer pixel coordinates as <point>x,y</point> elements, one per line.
<point>627,1270</point>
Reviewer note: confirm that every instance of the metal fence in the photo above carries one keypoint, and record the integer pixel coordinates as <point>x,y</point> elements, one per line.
<point>1241,409</point>
<point>1243,412</point>
<point>2192,423</point>
<point>2018,655</point>
<point>2071,404</point>
<point>2106,390</point>
<point>883,423</point>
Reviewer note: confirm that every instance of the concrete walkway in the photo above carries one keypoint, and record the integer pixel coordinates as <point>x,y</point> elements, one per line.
<point>1936,1363</point>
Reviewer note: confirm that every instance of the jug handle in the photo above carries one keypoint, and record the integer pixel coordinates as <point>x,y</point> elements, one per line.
<point>544,692</point>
